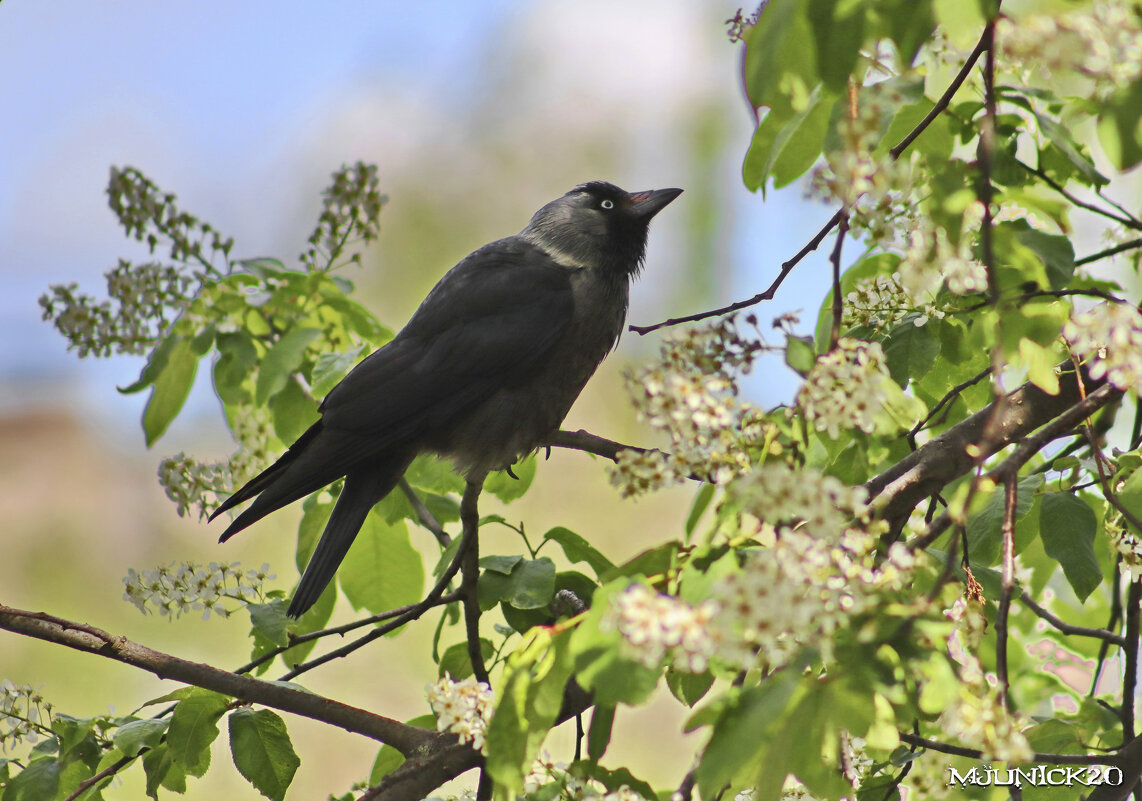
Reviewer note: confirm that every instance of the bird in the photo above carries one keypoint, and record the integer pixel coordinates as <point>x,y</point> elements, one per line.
<point>483,373</point>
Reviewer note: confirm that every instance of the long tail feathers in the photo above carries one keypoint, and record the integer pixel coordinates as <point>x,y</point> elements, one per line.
<point>362,490</point>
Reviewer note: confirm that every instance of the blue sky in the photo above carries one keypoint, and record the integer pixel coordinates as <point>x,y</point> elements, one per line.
<point>232,105</point>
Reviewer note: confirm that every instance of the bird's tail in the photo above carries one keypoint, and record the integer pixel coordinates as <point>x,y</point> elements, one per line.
<point>362,490</point>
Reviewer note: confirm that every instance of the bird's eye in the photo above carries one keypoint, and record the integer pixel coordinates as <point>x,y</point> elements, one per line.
<point>607,204</point>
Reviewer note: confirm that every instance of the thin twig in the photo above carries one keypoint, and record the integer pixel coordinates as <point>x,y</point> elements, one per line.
<point>1111,624</point>
<point>106,773</point>
<point>419,609</point>
<point>1010,499</point>
<point>975,753</point>
<point>1130,674</point>
<point>838,301</point>
<point>786,268</point>
<point>298,639</point>
<point>469,583</point>
<point>1076,201</point>
<point>1067,628</point>
<point>1114,251</point>
<point>951,394</point>
<point>426,518</point>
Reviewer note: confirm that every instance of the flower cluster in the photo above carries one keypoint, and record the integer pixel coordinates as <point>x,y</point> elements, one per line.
<point>802,590</point>
<point>196,486</point>
<point>1109,337</point>
<point>1126,545</point>
<point>1102,41</point>
<point>845,388</point>
<point>655,625</point>
<point>462,707</point>
<point>776,493</point>
<point>141,300</point>
<point>351,212</point>
<point>977,717</point>
<point>206,588</point>
<point>880,303</point>
<point>931,260</point>
<point>691,395</point>
<point>24,714</point>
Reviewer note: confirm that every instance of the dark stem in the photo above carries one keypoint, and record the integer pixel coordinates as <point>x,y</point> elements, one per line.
<point>469,584</point>
<point>1105,635</point>
<point>1010,498</point>
<point>1130,677</point>
<point>838,301</point>
<point>426,518</point>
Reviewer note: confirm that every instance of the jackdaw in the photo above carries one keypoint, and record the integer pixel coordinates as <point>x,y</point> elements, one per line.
<point>483,373</point>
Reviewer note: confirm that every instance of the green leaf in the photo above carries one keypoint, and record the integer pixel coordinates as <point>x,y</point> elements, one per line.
<point>270,621</point>
<point>839,30</point>
<point>193,727</point>
<point>331,368</point>
<point>1120,127</point>
<point>787,142</point>
<point>262,751</point>
<point>780,59</point>
<point>456,663</point>
<point>651,562</point>
<point>577,549</point>
<point>500,564</point>
<point>910,351</point>
<point>613,780</point>
<point>156,363</point>
<point>170,390</point>
<point>800,354</point>
<point>1067,526</point>
<point>133,737</point>
<point>163,771</point>
<point>508,489</point>
<point>382,570</point>
<point>282,359</point>
<point>529,585</point>
<point>1056,252</point>
<point>689,688</point>
<point>985,540</point>
<point>571,581</point>
<point>743,730</point>
<point>531,695</point>
<point>263,267</point>
<point>293,411</point>
<point>599,732</point>
<point>702,499</point>
<point>39,781</point>
<point>602,664</point>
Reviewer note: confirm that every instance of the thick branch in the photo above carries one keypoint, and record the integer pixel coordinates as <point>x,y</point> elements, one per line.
<point>82,637</point>
<point>926,471</point>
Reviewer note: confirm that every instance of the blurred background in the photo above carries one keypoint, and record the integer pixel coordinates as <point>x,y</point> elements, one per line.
<point>476,114</point>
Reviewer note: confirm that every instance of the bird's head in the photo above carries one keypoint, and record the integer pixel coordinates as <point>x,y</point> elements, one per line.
<point>598,226</point>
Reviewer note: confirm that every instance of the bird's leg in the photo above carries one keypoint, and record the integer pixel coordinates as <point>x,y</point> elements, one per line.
<point>470,519</point>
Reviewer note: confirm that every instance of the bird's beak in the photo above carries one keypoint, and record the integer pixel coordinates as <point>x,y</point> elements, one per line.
<point>647,204</point>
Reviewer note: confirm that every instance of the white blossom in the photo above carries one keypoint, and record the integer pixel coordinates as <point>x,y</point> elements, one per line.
<point>462,707</point>
<point>1109,337</point>
<point>845,388</point>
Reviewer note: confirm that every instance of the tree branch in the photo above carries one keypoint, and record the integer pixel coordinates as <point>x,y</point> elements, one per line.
<point>89,639</point>
<point>1068,628</point>
<point>922,473</point>
<point>1118,760</point>
<point>469,583</point>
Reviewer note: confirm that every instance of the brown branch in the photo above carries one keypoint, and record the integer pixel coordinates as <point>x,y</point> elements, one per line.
<point>1114,251</point>
<point>949,396</point>
<point>469,583</point>
<point>345,628</point>
<point>1068,628</point>
<point>426,518</point>
<point>1010,499</point>
<point>787,266</point>
<point>1061,423</point>
<point>89,639</point>
<point>838,301</point>
<point>106,773</point>
<point>1115,760</point>
<point>1076,201</point>
<point>922,473</point>
<point>585,441</point>
<point>1130,674</point>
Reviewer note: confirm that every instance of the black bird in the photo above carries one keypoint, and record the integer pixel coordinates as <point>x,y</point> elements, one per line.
<point>485,370</point>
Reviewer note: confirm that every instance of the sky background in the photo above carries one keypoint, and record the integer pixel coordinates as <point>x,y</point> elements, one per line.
<point>476,114</point>
<point>243,110</point>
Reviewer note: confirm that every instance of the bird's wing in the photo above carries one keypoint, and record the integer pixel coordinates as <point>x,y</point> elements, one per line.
<point>485,325</point>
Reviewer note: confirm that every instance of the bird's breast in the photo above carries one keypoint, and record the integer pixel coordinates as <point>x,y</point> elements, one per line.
<point>532,403</point>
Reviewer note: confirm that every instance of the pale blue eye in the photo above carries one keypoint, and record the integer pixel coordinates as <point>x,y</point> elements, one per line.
<point>607,204</point>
